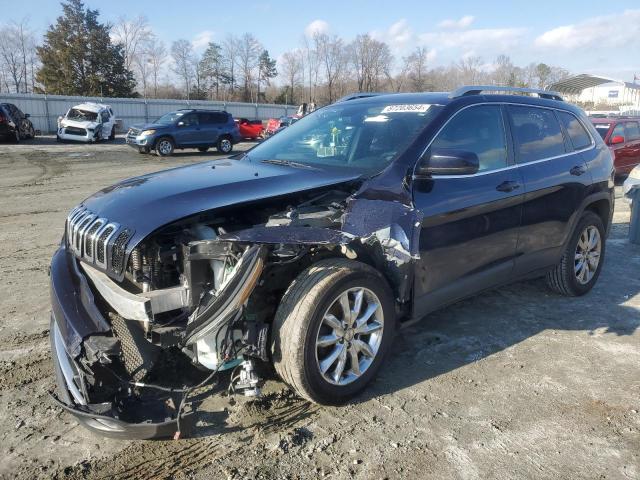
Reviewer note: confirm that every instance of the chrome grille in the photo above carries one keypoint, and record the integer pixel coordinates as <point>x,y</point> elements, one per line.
<point>96,240</point>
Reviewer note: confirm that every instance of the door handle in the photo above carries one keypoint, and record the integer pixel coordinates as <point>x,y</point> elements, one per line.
<point>508,186</point>
<point>578,170</point>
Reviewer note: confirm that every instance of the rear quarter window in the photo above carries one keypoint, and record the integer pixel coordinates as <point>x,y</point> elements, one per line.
<point>577,133</point>
<point>633,131</point>
<point>537,133</point>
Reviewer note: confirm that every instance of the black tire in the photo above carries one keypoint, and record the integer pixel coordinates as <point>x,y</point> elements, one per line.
<point>112,135</point>
<point>299,318</point>
<point>32,133</point>
<point>563,278</point>
<point>164,147</point>
<point>203,149</point>
<point>225,145</point>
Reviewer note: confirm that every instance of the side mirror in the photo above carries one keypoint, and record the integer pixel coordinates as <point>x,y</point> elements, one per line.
<point>27,115</point>
<point>617,139</point>
<point>444,161</point>
<point>181,124</point>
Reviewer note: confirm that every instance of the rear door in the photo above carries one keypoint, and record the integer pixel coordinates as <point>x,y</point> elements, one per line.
<point>556,180</point>
<point>632,131</point>
<point>469,232</point>
<point>209,128</point>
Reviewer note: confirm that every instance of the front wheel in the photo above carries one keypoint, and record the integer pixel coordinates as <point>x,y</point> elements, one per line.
<point>581,263</point>
<point>164,147</point>
<point>332,330</point>
<point>224,145</point>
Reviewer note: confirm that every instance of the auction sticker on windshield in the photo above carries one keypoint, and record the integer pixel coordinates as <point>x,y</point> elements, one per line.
<point>412,108</point>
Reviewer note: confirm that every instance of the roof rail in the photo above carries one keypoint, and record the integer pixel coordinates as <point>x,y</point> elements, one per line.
<point>478,89</point>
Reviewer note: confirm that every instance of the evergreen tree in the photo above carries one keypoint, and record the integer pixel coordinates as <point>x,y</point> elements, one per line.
<point>78,57</point>
<point>214,69</point>
<point>266,69</point>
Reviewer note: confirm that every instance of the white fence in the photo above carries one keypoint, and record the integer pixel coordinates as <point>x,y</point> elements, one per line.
<point>45,109</point>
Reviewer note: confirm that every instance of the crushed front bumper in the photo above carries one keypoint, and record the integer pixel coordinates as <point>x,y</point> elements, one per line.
<point>74,317</point>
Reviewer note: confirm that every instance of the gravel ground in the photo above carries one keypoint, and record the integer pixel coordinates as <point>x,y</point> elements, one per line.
<point>515,383</point>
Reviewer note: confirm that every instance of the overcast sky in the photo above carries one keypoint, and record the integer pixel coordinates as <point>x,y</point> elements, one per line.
<point>584,36</point>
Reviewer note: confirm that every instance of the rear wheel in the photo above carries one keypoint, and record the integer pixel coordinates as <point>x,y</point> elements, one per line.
<point>332,330</point>
<point>225,145</point>
<point>164,147</point>
<point>582,260</point>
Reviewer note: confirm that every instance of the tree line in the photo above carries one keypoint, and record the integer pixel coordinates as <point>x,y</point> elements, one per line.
<point>79,55</point>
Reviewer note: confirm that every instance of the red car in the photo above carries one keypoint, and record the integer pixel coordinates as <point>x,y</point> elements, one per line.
<point>622,136</point>
<point>250,128</point>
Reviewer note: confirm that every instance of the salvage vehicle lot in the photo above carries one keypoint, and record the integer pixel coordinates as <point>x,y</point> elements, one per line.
<point>513,383</point>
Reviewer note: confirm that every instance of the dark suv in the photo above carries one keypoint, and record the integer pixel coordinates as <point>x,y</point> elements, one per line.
<point>308,251</point>
<point>15,125</point>
<point>201,129</point>
<point>622,135</point>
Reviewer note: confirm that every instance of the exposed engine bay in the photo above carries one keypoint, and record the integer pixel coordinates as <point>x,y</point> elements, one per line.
<point>197,297</point>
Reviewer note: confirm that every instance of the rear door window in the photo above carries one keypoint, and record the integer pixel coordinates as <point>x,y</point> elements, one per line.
<point>577,133</point>
<point>633,131</point>
<point>213,118</point>
<point>537,133</point>
<point>479,130</point>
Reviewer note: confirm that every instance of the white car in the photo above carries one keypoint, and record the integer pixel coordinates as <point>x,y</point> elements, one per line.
<point>87,122</point>
<point>632,184</point>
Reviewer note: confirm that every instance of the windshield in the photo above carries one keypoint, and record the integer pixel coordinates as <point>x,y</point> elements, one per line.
<point>169,118</point>
<point>82,115</point>
<point>361,136</point>
<point>602,129</point>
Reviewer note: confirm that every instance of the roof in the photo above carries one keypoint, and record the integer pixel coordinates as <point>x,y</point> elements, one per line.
<point>577,83</point>
<point>91,107</point>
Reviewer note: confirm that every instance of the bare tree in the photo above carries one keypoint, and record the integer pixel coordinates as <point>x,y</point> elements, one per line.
<point>249,49</point>
<point>416,65</point>
<point>371,60</point>
<point>292,67</point>
<point>183,63</point>
<point>330,50</point>
<point>154,55</point>
<point>230,52</point>
<point>469,70</point>
<point>132,35</point>
<point>18,59</point>
<point>312,65</point>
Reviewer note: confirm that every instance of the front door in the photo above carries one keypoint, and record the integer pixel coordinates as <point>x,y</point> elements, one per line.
<point>188,131</point>
<point>470,228</point>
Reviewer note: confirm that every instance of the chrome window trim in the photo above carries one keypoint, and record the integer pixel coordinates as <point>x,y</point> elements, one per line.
<point>508,167</point>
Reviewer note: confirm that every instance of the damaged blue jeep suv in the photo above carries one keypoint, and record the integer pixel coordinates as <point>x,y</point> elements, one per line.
<point>309,251</point>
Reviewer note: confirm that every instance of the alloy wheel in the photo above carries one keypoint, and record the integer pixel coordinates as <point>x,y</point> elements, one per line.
<point>349,336</point>
<point>587,255</point>
<point>225,145</point>
<point>164,147</point>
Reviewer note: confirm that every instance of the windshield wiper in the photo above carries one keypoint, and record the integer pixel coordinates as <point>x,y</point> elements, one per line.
<point>288,163</point>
